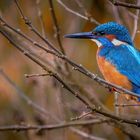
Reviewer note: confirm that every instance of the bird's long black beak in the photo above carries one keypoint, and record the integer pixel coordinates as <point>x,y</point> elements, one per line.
<point>84,35</point>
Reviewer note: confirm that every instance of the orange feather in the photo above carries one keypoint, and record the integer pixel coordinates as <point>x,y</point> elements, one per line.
<point>111,74</point>
<point>110,37</point>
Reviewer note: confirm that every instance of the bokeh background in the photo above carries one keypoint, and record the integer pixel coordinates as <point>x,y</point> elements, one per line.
<point>47,92</point>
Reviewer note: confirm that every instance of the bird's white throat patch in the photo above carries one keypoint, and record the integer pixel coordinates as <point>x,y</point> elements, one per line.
<point>97,42</point>
<point>116,42</point>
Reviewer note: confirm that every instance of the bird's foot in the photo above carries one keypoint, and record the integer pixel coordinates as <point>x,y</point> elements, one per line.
<point>112,90</point>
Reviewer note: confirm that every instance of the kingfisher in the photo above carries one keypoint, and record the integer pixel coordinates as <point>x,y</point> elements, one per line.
<point>117,57</point>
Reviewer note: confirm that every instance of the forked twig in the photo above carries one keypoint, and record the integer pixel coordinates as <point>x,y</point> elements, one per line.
<point>92,20</point>
<point>32,28</point>
<point>128,5</point>
<point>23,96</point>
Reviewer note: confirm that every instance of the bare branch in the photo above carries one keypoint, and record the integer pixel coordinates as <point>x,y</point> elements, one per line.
<point>87,136</point>
<point>23,95</point>
<point>127,105</point>
<point>115,11</point>
<point>57,29</point>
<point>116,101</point>
<point>36,75</point>
<point>32,28</point>
<point>84,114</point>
<point>135,22</point>
<point>128,5</point>
<point>87,14</point>
<point>40,18</point>
<point>90,19</point>
<point>53,126</point>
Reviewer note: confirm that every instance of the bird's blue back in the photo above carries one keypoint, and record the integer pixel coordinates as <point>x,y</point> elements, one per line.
<point>117,57</point>
<point>125,58</point>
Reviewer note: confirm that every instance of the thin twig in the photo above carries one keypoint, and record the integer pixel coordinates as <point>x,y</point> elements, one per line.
<point>32,28</point>
<point>92,20</point>
<point>128,5</point>
<point>135,22</point>
<point>40,18</point>
<point>127,105</point>
<point>36,75</point>
<point>84,114</point>
<point>53,126</point>
<point>79,3</point>
<point>87,14</point>
<point>23,95</point>
<point>57,32</point>
<point>57,29</point>
<point>115,11</point>
<point>86,135</point>
<point>116,101</point>
<point>132,15</point>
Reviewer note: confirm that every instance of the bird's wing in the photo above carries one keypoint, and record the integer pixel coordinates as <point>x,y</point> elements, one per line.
<point>126,58</point>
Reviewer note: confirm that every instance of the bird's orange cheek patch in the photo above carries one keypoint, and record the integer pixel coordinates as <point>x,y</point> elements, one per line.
<point>110,37</point>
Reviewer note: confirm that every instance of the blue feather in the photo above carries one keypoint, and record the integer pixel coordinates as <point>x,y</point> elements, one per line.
<point>116,47</point>
<point>125,58</point>
<point>116,29</point>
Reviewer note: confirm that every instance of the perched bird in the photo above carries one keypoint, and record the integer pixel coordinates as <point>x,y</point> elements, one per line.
<point>117,57</point>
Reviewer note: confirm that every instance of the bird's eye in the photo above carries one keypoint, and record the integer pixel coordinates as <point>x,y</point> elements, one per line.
<point>95,33</point>
<point>98,33</point>
<point>102,33</point>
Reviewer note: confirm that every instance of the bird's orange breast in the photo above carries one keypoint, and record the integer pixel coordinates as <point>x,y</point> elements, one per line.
<point>111,74</point>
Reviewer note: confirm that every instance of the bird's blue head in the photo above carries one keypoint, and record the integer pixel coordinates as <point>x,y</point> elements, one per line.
<point>111,31</point>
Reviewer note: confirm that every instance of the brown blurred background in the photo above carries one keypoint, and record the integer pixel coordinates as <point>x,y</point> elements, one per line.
<point>45,91</point>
